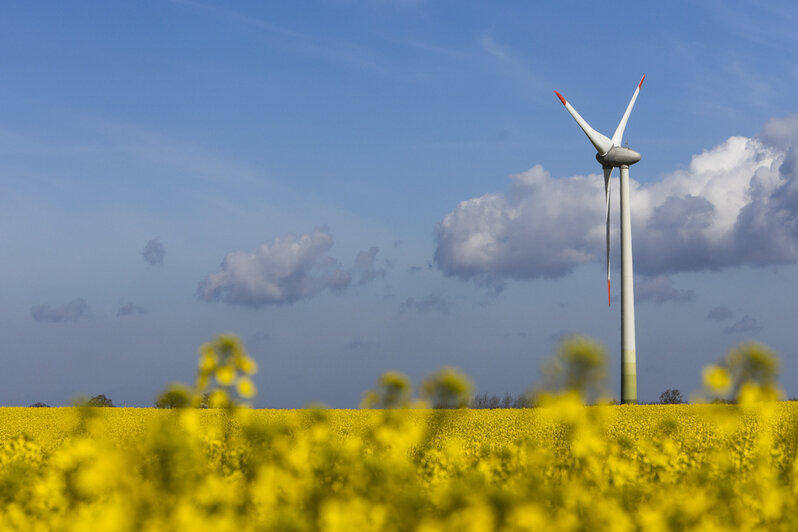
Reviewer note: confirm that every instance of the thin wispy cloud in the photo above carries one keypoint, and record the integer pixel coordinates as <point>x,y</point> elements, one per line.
<point>512,64</point>
<point>130,309</point>
<point>432,303</point>
<point>720,314</point>
<point>71,311</point>
<point>365,267</point>
<point>315,45</point>
<point>660,290</point>
<point>187,158</point>
<point>114,141</point>
<point>489,45</point>
<point>746,324</point>
<point>770,24</point>
<point>359,344</point>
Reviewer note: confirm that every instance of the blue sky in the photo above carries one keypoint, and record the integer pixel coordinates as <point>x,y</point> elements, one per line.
<point>360,186</point>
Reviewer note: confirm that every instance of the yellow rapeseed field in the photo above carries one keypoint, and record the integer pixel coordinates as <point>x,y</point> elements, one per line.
<point>559,466</point>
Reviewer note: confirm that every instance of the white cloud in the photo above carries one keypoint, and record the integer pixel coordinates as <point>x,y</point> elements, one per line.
<point>285,271</point>
<point>736,204</point>
<point>543,227</point>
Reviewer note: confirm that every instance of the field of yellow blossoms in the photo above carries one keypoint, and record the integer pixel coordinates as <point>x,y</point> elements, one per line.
<point>557,466</point>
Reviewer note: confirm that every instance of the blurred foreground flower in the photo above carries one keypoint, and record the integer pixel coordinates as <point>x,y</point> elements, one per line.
<point>222,361</point>
<point>447,388</point>
<point>394,390</point>
<point>748,373</point>
<point>579,367</point>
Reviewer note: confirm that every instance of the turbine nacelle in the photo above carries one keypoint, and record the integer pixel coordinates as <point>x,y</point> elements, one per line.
<point>618,156</point>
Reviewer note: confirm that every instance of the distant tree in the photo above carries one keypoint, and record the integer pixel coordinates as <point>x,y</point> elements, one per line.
<point>205,401</point>
<point>492,401</point>
<point>671,397</point>
<point>522,401</point>
<point>39,405</point>
<point>175,396</point>
<point>100,400</point>
<point>485,400</point>
<point>507,400</point>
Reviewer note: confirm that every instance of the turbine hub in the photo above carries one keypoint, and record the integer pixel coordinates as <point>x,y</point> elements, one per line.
<point>618,156</point>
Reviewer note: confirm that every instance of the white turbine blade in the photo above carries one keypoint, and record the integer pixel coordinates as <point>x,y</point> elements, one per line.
<point>617,137</point>
<point>607,173</point>
<point>602,143</point>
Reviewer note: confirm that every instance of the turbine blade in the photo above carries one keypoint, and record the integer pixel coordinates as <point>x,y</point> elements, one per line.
<point>601,143</point>
<point>607,173</point>
<point>617,137</point>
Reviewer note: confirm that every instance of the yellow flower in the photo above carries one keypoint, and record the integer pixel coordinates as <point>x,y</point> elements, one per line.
<point>717,379</point>
<point>225,375</point>
<point>218,399</point>
<point>246,388</point>
<point>208,359</point>
<point>247,365</point>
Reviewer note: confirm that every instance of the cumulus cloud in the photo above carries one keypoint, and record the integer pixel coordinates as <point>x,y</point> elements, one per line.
<point>743,325</point>
<point>735,204</point>
<point>285,271</point>
<point>430,303</point>
<point>720,314</point>
<point>71,311</point>
<point>153,252</point>
<point>660,289</point>
<point>128,309</point>
<point>543,227</point>
<point>365,266</point>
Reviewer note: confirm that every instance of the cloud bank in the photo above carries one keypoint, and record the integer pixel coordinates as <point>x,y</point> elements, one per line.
<point>71,311</point>
<point>285,271</point>
<point>735,204</point>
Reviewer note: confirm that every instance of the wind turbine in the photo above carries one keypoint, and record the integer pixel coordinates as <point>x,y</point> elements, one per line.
<point>610,155</point>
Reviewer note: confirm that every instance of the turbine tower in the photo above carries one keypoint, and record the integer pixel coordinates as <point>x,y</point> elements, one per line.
<point>610,155</point>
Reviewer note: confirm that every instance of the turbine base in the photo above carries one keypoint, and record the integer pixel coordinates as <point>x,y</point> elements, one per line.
<point>629,378</point>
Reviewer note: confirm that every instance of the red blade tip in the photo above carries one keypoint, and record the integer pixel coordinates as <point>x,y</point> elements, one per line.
<point>563,99</point>
<point>641,81</point>
<point>608,292</point>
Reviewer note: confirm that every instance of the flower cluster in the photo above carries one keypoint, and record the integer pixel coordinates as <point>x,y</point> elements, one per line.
<point>562,466</point>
